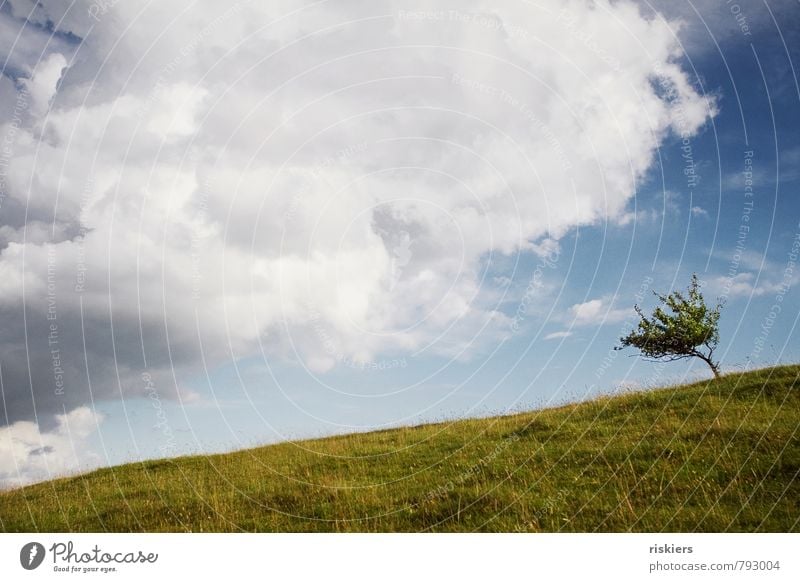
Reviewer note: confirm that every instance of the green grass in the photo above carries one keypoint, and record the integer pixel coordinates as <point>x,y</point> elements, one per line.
<point>712,456</point>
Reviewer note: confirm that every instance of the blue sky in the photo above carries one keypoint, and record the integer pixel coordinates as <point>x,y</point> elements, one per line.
<point>281,247</point>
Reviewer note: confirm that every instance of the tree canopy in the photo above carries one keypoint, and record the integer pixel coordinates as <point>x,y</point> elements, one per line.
<point>683,326</point>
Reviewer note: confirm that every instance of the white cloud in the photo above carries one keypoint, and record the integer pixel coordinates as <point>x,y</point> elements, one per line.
<point>557,335</point>
<point>699,211</point>
<point>740,284</point>
<point>753,260</point>
<point>233,191</point>
<point>42,84</point>
<point>596,312</point>
<point>23,44</point>
<point>27,453</point>
<point>640,216</point>
<point>666,203</point>
<point>744,284</point>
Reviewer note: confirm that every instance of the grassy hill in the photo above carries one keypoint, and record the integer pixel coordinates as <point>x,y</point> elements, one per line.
<point>712,456</point>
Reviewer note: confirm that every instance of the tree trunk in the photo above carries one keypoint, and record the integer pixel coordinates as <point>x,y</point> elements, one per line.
<point>711,364</point>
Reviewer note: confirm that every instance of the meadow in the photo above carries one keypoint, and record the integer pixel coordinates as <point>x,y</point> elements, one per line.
<point>717,455</point>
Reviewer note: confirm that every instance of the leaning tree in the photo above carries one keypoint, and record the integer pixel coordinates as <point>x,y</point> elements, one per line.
<point>683,326</point>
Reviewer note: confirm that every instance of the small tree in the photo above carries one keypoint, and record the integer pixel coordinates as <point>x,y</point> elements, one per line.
<point>689,330</point>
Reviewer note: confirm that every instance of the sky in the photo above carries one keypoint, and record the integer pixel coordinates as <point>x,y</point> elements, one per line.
<point>231,224</point>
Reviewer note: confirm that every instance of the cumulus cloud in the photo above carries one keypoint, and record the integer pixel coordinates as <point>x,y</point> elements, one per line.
<point>596,312</point>
<point>28,453</point>
<point>557,335</point>
<point>42,84</point>
<point>308,184</point>
<point>24,42</point>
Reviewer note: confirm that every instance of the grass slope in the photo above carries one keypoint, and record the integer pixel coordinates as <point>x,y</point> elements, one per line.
<point>712,456</point>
